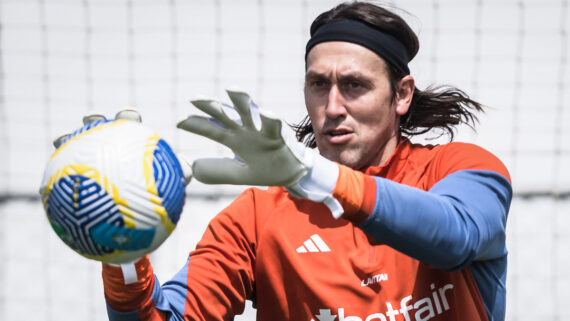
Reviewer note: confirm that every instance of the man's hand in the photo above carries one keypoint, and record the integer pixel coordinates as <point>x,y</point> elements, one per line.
<point>263,156</point>
<point>267,152</point>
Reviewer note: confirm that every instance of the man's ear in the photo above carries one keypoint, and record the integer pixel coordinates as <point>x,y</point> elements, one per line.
<point>404,94</point>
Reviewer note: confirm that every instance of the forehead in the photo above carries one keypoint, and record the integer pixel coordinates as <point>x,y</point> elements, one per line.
<point>344,56</point>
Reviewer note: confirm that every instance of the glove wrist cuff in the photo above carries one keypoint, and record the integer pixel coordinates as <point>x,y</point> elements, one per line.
<point>319,183</point>
<point>356,192</point>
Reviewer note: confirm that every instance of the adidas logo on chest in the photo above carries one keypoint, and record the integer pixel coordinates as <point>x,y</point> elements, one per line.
<point>314,244</point>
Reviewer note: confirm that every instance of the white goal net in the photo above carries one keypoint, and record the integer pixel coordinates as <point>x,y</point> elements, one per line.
<point>61,59</point>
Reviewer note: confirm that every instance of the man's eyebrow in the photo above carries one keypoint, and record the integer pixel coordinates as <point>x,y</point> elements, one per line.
<point>357,74</point>
<point>314,74</point>
<point>350,73</point>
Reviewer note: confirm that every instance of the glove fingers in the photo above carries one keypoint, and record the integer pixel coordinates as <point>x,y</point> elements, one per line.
<point>88,119</point>
<point>204,127</point>
<point>58,141</point>
<point>214,109</point>
<point>130,114</point>
<point>220,171</point>
<point>242,104</point>
<point>271,127</point>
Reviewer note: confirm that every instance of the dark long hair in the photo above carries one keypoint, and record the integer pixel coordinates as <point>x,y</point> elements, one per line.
<point>436,107</point>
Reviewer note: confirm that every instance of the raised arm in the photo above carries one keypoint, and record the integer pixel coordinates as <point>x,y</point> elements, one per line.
<point>213,284</point>
<point>461,218</point>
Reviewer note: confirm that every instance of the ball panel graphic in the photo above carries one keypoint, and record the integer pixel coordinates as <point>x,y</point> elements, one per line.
<point>113,191</point>
<point>167,171</point>
<point>75,205</point>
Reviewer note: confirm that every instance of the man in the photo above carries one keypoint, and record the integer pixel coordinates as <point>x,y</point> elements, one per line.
<point>372,227</point>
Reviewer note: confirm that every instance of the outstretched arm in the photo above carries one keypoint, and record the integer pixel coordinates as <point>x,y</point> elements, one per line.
<point>213,284</point>
<point>460,219</point>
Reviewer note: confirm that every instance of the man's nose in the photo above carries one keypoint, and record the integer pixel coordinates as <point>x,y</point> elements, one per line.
<point>335,105</point>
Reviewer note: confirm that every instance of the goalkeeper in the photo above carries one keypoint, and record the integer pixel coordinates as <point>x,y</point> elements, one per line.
<point>358,223</point>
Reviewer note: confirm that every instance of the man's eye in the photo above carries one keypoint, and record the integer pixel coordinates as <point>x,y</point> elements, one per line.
<point>354,84</point>
<point>318,83</point>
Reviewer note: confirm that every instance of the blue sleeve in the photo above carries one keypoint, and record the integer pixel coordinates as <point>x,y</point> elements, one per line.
<point>122,316</point>
<point>461,219</point>
<point>172,295</point>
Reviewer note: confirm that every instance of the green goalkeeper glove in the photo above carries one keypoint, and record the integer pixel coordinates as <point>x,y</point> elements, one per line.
<point>267,152</point>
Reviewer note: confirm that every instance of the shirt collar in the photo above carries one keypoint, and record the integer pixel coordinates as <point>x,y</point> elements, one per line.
<point>395,162</point>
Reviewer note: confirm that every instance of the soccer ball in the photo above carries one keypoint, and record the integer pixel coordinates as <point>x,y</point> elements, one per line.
<point>113,191</point>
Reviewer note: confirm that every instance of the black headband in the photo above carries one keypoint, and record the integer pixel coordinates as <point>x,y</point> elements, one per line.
<point>384,45</point>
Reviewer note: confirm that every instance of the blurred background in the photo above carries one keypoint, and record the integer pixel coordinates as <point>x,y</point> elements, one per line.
<point>62,59</point>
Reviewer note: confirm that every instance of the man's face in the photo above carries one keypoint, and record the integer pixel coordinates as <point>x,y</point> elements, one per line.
<point>349,102</point>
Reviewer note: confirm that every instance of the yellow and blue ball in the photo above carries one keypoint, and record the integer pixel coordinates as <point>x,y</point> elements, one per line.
<point>113,191</point>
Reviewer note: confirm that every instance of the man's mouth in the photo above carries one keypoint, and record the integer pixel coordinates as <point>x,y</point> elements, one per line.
<point>338,133</point>
<point>338,136</point>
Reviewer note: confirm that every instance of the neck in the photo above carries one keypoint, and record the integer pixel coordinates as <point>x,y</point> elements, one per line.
<point>385,151</point>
